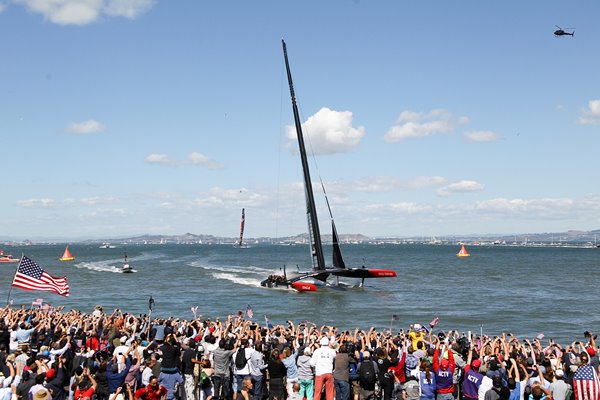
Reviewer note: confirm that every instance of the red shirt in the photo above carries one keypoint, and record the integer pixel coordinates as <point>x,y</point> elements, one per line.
<point>80,394</point>
<point>92,343</point>
<point>148,393</point>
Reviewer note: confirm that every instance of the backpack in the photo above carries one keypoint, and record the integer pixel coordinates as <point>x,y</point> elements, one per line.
<point>240,359</point>
<point>367,373</point>
<point>411,388</point>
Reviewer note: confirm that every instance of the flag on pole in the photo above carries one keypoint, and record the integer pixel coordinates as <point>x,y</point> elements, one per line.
<point>249,311</point>
<point>585,383</point>
<point>30,276</point>
<point>269,325</point>
<point>395,317</point>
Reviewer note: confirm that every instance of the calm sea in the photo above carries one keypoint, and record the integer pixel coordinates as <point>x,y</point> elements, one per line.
<point>523,290</point>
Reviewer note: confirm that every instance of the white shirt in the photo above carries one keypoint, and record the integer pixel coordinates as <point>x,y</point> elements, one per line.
<point>246,369</point>
<point>322,359</point>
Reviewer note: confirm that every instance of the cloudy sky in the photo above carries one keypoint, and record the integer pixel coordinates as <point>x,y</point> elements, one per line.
<point>125,117</point>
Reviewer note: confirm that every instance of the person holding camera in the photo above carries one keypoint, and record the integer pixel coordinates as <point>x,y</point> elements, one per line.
<point>322,360</point>
<point>444,372</point>
<point>86,386</point>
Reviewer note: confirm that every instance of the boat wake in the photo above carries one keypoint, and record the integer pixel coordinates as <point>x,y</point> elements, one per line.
<point>234,268</point>
<point>100,266</point>
<point>236,279</point>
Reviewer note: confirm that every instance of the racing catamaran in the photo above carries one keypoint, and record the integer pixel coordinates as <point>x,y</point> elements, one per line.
<point>320,272</point>
<point>241,243</point>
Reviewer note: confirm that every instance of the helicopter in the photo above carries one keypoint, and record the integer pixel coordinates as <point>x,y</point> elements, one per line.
<point>561,32</point>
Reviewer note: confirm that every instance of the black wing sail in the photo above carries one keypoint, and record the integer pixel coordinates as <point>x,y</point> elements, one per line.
<point>316,247</point>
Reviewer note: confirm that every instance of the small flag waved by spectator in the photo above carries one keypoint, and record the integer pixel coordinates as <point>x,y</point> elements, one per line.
<point>249,311</point>
<point>37,302</point>
<point>434,322</point>
<point>269,325</point>
<point>395,317</point>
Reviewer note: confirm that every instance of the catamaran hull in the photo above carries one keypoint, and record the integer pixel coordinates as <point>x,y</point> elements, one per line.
<point>297,285</point>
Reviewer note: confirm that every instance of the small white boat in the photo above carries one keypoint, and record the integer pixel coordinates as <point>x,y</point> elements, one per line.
<point>126,268</point>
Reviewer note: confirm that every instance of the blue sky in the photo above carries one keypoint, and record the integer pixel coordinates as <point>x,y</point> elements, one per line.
<point>124,117</point>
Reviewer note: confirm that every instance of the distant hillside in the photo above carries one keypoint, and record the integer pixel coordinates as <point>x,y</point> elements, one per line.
<point>572,236</point>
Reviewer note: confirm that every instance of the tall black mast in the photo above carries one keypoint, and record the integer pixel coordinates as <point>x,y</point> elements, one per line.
<point>318,259</point>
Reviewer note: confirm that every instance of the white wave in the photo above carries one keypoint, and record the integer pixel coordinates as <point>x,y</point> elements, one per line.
<point>100,266</point>
<point>237,279</point>
<point>232,269</point>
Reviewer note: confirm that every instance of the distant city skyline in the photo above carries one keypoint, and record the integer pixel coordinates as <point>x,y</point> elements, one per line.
<point>132,117</point>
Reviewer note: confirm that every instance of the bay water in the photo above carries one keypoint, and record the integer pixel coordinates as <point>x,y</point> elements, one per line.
<point>524,290</point>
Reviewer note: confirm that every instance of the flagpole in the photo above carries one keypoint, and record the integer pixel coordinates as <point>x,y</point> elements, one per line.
<point>9,290</point>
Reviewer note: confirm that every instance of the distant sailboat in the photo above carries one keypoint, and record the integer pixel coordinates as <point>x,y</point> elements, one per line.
<point>241,243</point>
<point>67,256</point>
<point>463,252</point>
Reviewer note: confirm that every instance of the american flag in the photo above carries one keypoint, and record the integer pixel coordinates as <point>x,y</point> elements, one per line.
<point>585,383</point>
<point>37,302</point>
<point>30,276</point>
<point>434,322</point>
<point>249,311</point>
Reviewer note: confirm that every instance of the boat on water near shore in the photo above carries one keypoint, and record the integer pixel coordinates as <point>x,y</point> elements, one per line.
<point>126,268</point>
<point>240,244</point>
<point>67,256</point>
<point>7,258</point>
<point>320,272</point>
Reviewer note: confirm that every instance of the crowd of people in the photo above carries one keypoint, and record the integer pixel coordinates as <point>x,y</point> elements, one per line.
<point>55,354</point>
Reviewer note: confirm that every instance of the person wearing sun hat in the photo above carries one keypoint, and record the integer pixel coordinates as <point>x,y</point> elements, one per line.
<point>322,360</point>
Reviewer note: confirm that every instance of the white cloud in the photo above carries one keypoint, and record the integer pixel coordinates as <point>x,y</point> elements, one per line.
<point>161,159</point>
<point>127,8</point>
<point>67,202</point>
<point>85,127</point>
<point>83,12</point>
<point>481,136</point>
<point>196,158</point>
<point>36,203</point>
<point>383,184</point>
<point>591,115</point>
<point>412,124</point>
<point>218,196</point>
<point>329,132</point>
<point>2,6</point>
<point>460,187</point>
